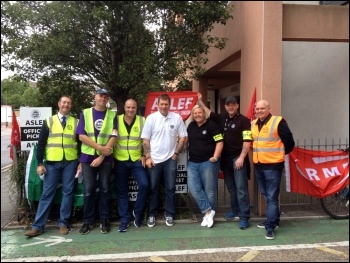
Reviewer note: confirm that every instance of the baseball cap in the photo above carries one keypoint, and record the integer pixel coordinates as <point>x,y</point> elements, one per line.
<point>231,99</point>
<point>102,91</point>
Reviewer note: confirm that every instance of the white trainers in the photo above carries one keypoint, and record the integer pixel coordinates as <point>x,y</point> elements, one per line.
<point>210,218</point>
<point>205,221</point>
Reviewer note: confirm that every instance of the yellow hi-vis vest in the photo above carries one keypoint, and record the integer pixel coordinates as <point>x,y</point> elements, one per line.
<point>61,143</point>
<point>267,145</point>
<point>105,132</point>
<point>129,144</point>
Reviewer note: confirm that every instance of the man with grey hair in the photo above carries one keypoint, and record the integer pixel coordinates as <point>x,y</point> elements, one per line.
<point>272,140</point>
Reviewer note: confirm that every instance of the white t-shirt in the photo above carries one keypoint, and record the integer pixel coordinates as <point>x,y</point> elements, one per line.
<point>162,132</point>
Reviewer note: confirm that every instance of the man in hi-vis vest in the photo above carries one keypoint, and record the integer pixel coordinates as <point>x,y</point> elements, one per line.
<point>129,159</point>
<point>97,131</point>
<point>58,145</point>
<point>272,139</point>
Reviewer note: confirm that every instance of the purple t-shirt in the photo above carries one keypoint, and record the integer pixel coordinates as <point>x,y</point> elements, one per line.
<point>98,117</point>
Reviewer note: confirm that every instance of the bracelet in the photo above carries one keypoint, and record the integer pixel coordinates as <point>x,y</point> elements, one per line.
<point>176,153</point>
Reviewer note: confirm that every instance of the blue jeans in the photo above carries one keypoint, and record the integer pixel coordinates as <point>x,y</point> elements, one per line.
<point>168,170</point>
<point>122,169</point>
<point>236,181</point>
<point>89,181</point>
<point>65,171</point>
<point>202,180</point>
<point>269,182</point>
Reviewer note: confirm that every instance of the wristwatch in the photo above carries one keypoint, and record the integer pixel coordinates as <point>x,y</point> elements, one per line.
<point>177,154</point>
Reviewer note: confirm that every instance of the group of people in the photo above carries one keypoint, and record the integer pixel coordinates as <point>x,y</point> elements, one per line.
<point>101,142</point>
<point>270,139</point>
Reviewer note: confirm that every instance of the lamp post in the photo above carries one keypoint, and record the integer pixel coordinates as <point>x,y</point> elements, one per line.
<point>7,122</point>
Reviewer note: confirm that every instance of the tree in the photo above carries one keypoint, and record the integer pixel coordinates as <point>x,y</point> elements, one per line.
<point>12,91</point>
<point>129,48</point>
<point>52,89</point>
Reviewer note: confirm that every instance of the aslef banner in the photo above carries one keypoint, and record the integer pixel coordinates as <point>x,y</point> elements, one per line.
<point>181,102</point>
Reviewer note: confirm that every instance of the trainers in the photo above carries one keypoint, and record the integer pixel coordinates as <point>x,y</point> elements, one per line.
<point>229,216</point>
<point>243,224</point>
<point>123,227</point>
<point>105,226</point>
<point>210,218</point>
<point>33,233</point>
<point>205,221</point>
<point>85,229</point>
<point>138,220</point>
<point>169,221</point>
<point>262,225</point>
<point>151,222</point>
<point>64,230</point>
<point>270,234</point>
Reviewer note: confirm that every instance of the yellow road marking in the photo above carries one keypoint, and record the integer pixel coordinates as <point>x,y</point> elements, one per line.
<point>157,259</point>
<point>248,256</point>
<point>332,251</point>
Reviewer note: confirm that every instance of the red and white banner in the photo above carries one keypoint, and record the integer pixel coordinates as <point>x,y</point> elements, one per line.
<point>182,102</point>
<point>316,173</point>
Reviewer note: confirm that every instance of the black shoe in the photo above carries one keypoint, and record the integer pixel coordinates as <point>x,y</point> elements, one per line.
<point>123,227</point>
<point>105,226</point>
<point>138,220</point>
<point>85,229</point>
<point>270,234</point>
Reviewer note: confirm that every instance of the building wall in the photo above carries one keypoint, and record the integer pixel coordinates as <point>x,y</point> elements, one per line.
<point>315,90</point>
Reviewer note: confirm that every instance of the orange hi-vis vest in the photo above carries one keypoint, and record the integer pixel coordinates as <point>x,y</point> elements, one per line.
<point>267,145</point>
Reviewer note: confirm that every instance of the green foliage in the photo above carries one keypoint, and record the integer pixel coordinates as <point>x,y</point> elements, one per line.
<point>129,48</point>
<point>51,89</point>
<point>12,91</point>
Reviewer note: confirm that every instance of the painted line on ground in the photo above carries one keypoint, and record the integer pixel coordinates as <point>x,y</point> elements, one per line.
<point>6,168</point>
<point>107,257</point>
<point>248,256</point>
<point>332,251</point>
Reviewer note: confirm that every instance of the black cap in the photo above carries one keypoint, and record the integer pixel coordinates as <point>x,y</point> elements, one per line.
<point>102,91</point>
<point>231,99</point>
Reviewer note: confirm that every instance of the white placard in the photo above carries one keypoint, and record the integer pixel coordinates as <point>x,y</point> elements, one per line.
<point>32,118</point>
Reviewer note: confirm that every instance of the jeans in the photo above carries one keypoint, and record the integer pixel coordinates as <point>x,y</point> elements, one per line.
<point>89,180</point>
<point>65,171</point>
<point>167,169</point>
<point>236,181</point>
<point>269,182</point>
<point>122,169</point>
<point>202,180</point>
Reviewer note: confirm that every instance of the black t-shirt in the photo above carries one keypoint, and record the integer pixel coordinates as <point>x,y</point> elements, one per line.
<point>232,129</point>
<point>201,140</point>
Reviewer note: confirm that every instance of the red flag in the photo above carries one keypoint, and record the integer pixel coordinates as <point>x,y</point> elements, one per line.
<point>315,172</point>
<point>15,135</point>
<point>251,111</point>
